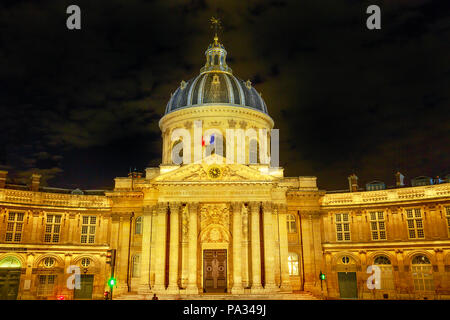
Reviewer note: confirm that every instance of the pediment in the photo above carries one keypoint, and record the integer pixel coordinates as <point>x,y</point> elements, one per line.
<point>200,172</point>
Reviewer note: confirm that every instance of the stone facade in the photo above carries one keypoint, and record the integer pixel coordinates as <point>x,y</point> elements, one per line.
<point>161,229</point>
<point>264,233</point>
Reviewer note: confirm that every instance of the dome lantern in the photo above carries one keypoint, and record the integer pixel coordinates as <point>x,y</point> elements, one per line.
<point>216,56</point>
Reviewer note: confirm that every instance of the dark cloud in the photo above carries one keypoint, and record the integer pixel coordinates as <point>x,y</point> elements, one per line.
<point>83,106</point>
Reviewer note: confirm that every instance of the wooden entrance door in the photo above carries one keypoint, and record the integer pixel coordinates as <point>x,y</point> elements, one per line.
<point>348,287</point>
<point>215,271</point>
<point>86,288</point>
<point>9,284</point>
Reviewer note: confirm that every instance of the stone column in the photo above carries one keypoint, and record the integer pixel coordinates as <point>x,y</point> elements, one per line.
<point>284,249</point>
<point>192,287</point>
<point>144,285</point>
<point>184,217</point>
<point>174,241</point>
<point>237,249</point>
<point>256,248</point>
<point>276,246</point>
<point>122,253</point>
<point>245,243</point>
<point>160,248</point>
<point>153,257</point>
<point>269,252</point>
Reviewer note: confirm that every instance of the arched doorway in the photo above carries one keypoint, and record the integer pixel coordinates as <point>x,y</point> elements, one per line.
<point>346,270</point>
<point>387,275</point>
<point>10,269</point>
<point>422,273</point>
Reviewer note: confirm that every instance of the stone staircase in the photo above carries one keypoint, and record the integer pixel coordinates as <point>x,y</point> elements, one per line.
<point>302,295</point>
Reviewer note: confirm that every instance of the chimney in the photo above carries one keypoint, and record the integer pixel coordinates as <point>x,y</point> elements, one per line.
<point>3,175</point>
<point>35,181</point>
<point>353,182</point>
<point>399,179</point>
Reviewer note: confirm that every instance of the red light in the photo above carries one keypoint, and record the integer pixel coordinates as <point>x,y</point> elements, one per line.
<point>60,298</point>
<point>106,293</point>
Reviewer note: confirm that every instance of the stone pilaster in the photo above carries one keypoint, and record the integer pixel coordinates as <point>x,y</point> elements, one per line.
<point>144,285</point>
<point>26,293</point>
<point>192,287</point>
<point>256,248</point>
<point>269,252</point>
<point>174,241</point>
<point>153,256</point>
<point>284,249</point>
<point>245,250</point>
<point>184,217</point>
<point>122,254</point>
<point>160,248</point>
<point>237,248</point>
<point>34,232</point>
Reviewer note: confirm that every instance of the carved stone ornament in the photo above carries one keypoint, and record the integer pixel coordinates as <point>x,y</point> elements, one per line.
<point>214,235</point>
<point>214,214</point>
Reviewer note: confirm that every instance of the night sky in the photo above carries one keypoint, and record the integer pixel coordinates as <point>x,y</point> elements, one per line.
<point>82,107</point>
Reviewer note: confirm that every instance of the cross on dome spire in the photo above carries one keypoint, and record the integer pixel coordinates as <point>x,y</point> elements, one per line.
<point>215,23</point>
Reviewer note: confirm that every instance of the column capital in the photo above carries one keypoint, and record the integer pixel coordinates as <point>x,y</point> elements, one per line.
<point>148,210</point>
<point>267,206</point>
<point>282,208</point>
<point>174,205</point>
<point>236,206</point>
<point>162,207</point>
<point>193,206</point>
<point>254,206</point>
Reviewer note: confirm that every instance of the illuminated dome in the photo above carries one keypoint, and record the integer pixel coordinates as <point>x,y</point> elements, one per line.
<point>216,85</point>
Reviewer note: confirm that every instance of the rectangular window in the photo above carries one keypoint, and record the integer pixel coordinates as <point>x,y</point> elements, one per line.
<point>378,225</point>
<point>342,227</point>
<point>46,285</point>
<point>415,223</point>
<point>52,228</point>
<point>291,223</point>
<point>14,227</point>
<point>88,227</point>
<point>447,210</point>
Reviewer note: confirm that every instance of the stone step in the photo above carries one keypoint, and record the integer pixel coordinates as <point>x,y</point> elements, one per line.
<point>277,296</point>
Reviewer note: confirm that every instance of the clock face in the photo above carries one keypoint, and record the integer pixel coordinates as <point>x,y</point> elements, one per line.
<point>214,172</point>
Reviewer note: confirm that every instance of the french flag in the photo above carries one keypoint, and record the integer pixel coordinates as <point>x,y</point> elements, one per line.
<point>210,140</point>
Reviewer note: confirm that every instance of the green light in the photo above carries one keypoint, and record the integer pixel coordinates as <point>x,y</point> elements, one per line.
<point>111,282</point>
<point>322,276</point>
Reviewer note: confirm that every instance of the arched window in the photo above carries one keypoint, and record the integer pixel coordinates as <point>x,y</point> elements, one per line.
<point>136,265</point>
<point>422,273</point>
<point>291,223</point>
<point>85,262</point>
<point>293,264</point>
<point>386,276</point>
<point>253,152</point>
<point>10,262</point>
<point>49,262</point>
<point>345,260</point>
<point>138,226</point>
